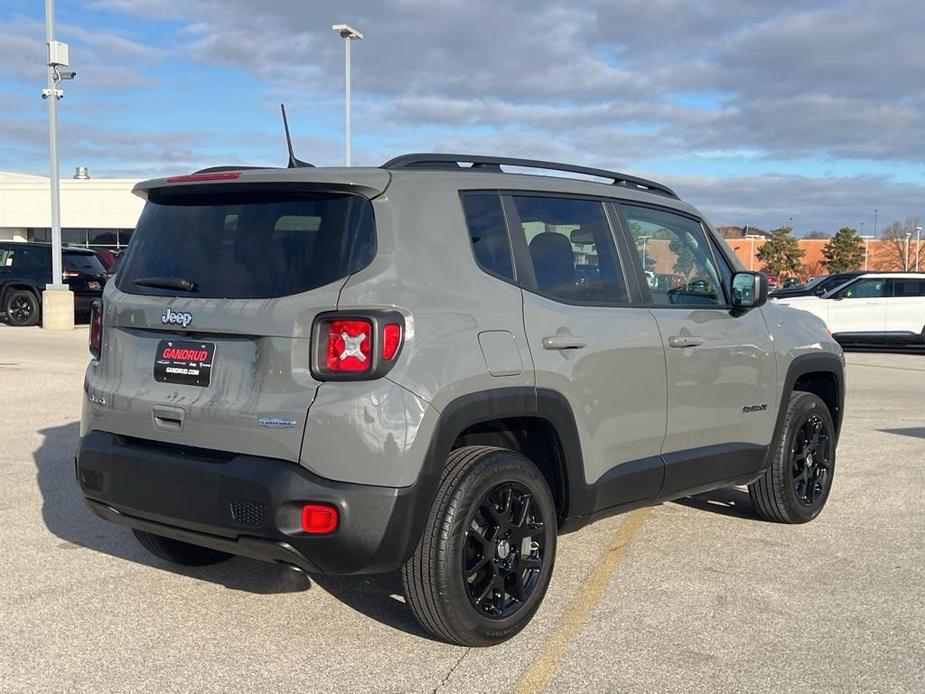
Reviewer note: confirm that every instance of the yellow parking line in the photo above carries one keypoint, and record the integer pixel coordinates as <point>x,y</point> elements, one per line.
<point>546,663</point>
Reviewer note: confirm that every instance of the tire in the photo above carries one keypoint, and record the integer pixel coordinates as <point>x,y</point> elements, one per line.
<point>447,573</point>
<point>22,308</point>
<point>179,552</point>
<point>795,488</point>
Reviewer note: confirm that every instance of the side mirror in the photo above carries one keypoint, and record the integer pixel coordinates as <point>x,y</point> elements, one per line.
<point>749,290</point>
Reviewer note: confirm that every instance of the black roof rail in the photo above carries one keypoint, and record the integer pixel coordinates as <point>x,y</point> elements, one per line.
<point>450,162</point>
<point>219,169</point>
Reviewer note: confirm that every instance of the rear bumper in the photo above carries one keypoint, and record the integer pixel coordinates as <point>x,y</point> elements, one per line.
<point>83,301</point>
<point>247,505</point>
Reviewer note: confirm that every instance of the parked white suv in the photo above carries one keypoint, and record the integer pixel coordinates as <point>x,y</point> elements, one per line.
<point>877,308</point>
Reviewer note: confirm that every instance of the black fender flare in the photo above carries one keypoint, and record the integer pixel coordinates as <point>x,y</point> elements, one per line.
<point>500,403</point>
<point>817,362</point>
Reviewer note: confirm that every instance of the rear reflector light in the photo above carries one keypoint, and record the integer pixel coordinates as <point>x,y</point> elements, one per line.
<point>96,329</point>
<point>349,345</point>
<point>319,519</point>
<point>391,340</point>
<point>217,176</point>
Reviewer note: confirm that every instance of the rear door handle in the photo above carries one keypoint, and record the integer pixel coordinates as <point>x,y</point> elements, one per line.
<point>564,342</point>
<point>685,341</point>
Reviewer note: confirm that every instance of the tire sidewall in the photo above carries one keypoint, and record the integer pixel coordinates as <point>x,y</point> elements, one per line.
<point>494,469</point>
<point>801,409</point>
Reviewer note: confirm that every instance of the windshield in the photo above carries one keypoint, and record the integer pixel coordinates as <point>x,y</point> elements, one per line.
<point>247,245</point>
<point>815,281</point>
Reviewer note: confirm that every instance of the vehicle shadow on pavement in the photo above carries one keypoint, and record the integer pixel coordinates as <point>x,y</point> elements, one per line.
<point>66,516</point>
<point>915,432</point>
<point>728,501</point>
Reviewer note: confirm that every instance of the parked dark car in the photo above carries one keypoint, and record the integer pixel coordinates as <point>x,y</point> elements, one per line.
<point>25,269</point>
<point>817,286</point>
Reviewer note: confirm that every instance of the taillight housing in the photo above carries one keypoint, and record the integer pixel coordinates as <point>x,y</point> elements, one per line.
<point>356,345</point>
<point>96,329</point>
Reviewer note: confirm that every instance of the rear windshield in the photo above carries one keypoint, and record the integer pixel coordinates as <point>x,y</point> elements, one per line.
<point>250,245</point>
<point>83,262</point>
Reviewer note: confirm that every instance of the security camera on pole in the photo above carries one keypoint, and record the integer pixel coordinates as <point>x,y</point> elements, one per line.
<point>57,299</point>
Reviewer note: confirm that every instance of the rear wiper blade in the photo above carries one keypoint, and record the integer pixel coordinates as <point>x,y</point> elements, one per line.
<point>166,283</point>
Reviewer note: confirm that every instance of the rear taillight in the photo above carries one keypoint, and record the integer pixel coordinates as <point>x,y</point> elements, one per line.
<point>96,329</point>
<point>356,346</point>
<point>391,340</point>
<point>349,343</point>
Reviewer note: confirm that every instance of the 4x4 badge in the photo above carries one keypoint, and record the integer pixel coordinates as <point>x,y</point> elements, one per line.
<point>172,317</point>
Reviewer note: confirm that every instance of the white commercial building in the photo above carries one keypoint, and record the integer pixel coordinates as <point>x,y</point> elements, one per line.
<point>95,212</point>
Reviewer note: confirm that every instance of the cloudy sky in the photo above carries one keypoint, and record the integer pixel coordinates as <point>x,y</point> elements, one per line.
<point>755,110</point>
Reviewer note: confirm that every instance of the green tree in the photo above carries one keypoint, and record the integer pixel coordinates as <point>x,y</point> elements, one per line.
<point>845,251</point>
<point>781,254</point>
<point>816,234</point>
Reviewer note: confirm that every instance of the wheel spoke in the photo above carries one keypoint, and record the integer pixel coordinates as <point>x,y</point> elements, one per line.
<point>520,591</point>
<point>489,586</point>
<point>475,568</point>
<point>525,501</point>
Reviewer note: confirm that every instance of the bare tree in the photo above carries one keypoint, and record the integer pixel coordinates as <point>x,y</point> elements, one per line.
<point>899,245</point>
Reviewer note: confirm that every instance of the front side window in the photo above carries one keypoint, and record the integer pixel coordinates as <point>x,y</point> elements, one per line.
<point>488,233</point>
<point>864,289</point>
<point>572,249</point>
<point>676,257</point>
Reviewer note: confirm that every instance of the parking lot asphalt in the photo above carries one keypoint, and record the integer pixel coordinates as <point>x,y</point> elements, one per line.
<point>696,595</point>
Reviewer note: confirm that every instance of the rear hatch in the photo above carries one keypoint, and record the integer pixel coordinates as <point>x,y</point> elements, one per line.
<point>83,272</point>
<point>207,330</point>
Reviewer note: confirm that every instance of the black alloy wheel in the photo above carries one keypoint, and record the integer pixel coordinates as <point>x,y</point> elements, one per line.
<point>811,453</point>
<point>22,308</point>
<point>795,485</point>
<point>485,558</point>
<point>504,550</point>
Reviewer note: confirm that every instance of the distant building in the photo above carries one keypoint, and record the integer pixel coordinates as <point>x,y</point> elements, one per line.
<point>95,212</point>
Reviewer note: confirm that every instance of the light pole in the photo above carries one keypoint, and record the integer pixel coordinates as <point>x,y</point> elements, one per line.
<point>348,34</point>
<point>57,300</point>
<point>918,240</point>
<point>906,261</point>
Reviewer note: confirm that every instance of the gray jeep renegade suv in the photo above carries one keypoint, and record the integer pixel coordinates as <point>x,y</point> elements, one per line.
<point>439,366</point>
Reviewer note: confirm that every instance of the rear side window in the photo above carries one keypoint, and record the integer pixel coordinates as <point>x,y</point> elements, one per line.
<point>908,287</point>
<point>572,249</point>
<point>488,233</point>
<point>248,245</point>
<point>83,262</point>
<point>26,259</point>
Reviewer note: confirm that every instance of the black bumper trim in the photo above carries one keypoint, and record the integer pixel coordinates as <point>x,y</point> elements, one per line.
<point>244,546</point>
<point>189,495</point>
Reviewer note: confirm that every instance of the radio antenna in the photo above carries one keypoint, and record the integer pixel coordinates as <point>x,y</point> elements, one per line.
<point>293,162</point>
